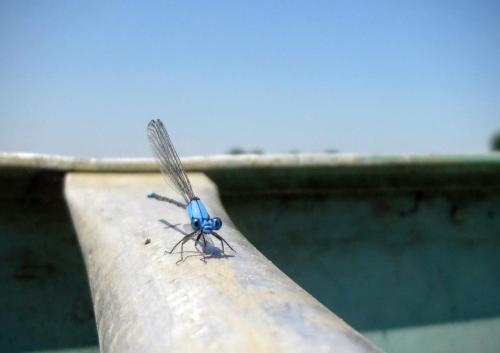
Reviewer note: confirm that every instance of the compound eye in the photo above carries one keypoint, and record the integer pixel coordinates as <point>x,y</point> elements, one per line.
<point>217,223</point>
<point>195,223</point>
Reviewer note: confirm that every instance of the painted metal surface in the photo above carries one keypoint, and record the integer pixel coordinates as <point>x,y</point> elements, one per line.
<point>45,303</point>
<point>404,248</point>
<point>412,271</point>
<point>145,302</point>
<point>426,164</point>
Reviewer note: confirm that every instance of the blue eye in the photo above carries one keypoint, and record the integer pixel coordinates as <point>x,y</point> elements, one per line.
<point>217,223</point>
<point>195,223</point>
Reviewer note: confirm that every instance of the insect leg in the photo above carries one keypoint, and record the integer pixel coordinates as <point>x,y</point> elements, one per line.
<point>154,195</point>
<point>184,239</point>
<point>182,252</point>
<point>204,246</point>
<point>222,240</point>
<point>222,244</point>
<point>197,239</point>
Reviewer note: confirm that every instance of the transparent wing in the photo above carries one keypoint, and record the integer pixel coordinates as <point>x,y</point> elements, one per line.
<point>170,164</point>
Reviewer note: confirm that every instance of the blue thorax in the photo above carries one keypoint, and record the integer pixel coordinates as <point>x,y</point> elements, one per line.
<point>200,219</point>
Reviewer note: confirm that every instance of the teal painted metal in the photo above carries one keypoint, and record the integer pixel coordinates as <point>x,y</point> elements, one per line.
<point>44,296</point>
<point>414,269</point>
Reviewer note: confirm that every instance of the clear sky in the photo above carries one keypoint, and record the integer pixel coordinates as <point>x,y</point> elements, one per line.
<point>84,78</point>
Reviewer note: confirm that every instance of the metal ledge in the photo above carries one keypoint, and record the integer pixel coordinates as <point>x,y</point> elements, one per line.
<point>144,302</point>
<point>302,173</point>
<point>206,163</point>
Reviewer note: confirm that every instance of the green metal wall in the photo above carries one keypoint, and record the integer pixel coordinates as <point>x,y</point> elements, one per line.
<point>415,271</point>
<point>44,295</point>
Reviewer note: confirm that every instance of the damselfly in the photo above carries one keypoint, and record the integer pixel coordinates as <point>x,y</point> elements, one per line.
<point>171,167</point>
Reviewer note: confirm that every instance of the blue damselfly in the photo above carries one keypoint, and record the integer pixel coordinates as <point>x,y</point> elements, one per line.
<point>171,167</point>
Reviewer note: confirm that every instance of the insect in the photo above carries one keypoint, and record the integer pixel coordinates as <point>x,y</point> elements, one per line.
<point>171,167</point>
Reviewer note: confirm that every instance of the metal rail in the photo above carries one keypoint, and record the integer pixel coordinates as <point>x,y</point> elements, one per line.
<point>204,163</point>
<point>144,302</point>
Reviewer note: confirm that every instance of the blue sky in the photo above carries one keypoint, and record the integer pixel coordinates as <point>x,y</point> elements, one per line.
<point>84,78</point>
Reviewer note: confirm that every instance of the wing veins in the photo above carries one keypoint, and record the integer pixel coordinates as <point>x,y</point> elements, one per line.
<point>170,163</point>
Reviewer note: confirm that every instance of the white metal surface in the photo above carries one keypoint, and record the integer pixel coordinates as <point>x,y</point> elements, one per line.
<point>144,302</point>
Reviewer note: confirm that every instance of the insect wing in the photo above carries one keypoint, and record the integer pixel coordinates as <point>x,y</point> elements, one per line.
<point>170,164</point>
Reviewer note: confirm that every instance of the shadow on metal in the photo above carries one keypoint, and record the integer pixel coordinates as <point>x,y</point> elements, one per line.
<point>208,250</point>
